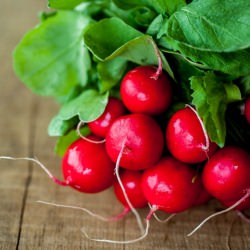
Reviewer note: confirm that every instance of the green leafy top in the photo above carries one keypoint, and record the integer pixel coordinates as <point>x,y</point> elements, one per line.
<point>51,58</point>
<point>79,52</point>
<point>216,26</point>
<point>210,97</point>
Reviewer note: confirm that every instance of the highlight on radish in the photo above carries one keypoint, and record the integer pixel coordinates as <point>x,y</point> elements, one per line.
<point>227,174</point>
<point>226,177</point>
<point>87,168</point>
<point>143,139</point>
<point>171,186</point>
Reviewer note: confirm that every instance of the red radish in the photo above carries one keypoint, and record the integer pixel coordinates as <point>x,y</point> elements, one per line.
<point>141,92</point>
<point>87,168</point>
<point>131,181</point>
<point>141,139</point>
<point>114,109</point>
<point>203,197</point>
<point>226,175</point>
<point>247,109</point>
<point>186,137</point>
<point>171,186</point>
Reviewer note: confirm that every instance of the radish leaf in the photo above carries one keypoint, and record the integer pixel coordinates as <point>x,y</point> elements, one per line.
<point>107,35</point>
<point>211,97</point>
<point>64,4</point>
<point>87,106</point>
<point>140,50</point>
<point>161,6</point>
<point>203,33</point>
<point>59,127</point>
<point>212,25</point>
<point>51,59</point>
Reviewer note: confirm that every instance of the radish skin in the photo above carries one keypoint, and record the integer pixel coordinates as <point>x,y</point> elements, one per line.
<point>144,91</point>
<point>143,138</point>
<point>87,167</point>
<point>186,137</point>
<point>171,186</point>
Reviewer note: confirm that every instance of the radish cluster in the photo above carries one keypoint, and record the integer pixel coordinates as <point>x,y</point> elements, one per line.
<point>172,167</point>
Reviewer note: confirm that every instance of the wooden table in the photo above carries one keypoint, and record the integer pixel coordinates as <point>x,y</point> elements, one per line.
<point>26,224</point>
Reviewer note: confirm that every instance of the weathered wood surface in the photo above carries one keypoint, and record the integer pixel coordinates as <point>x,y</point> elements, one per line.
<point>26,224</point>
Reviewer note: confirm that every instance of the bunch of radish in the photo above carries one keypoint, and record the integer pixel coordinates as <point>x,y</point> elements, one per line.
<point>154,155</point>
<point>169,137</point>
<point>171,166</point>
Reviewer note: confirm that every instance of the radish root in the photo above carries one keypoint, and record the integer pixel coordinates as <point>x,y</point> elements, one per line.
<point>207,143</point>
<point>243,216</point>
<point>77,208</point>
<point>158,72</point>
<point>102,218</point>
<point>79,125</point>
<point>133,210</point>
<point>154,209</point>
<point>144,231</point>
<point>143,236</point>
<point>220,212</point>
<point>51,176</point>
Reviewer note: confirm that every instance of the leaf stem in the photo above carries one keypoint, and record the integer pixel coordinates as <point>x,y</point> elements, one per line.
<point>158,72</point>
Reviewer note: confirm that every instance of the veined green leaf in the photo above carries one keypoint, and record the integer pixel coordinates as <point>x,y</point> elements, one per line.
<point>141,50</point>
<point>211,97</point>
<point>59,127</point>
<point>111,72</point>
<point>87,106</point>
<point>233,63</point>
<point>212,33</point>
<point>51,58</point>
<point>160,6</point>
<point>155,26</point>
<point>64,4</point>
<point>211,26</point>
<point>106,36</point>
<point>115,43</point>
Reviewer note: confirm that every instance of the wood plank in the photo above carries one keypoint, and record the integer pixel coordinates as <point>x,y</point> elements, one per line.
<point>15,123</point>
<point>26,224</point>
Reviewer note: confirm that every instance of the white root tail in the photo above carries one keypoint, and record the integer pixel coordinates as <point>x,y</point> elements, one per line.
<point>220,212</point>
<point>102,218</point>
<point>77,208</point>
<point>133,210</point>
<point>158,72</point>
<point>78,130</point>
<point>143,236</point>
<point>51,176</point>
<point>207,143</point>
<point>154,209</point>
<point>243,216</point>
<point>144,231</point>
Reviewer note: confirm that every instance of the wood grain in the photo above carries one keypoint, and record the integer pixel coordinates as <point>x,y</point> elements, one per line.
<point>27,224</point>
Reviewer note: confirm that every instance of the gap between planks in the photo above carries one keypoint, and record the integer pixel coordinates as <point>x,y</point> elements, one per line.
<point>32,128</point>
